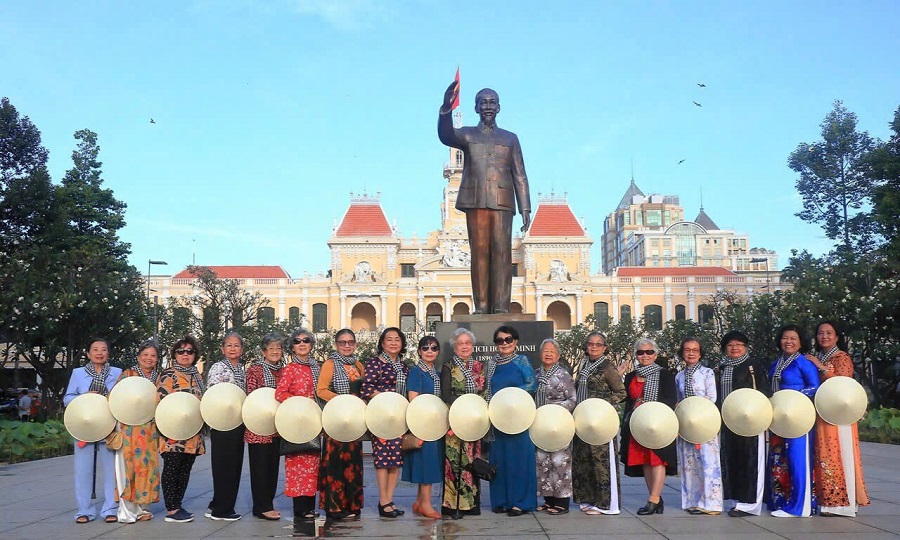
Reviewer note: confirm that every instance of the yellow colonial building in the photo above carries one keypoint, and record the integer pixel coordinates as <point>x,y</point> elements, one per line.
<point>377,278</point>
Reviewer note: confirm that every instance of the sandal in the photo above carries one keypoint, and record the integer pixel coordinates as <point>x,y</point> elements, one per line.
<point>593,512</point>
<point>312,514</point>
<point>82,519</point>
<point>557,510</point>
<point>145,517</point>
<point>111,519</point>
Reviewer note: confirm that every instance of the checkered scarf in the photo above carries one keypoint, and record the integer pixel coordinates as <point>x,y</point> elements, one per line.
<point>237,373</point>
<point>651,383</point>
<point>340,380</point>
<point>154,375</point>
<point>467,373</point>
<point>268,371</point>
<point>398,369</point>
<point>497,360</point>
<point>191,371</point>
<point>825,356</point>
<point>689,379</point>
<point>313,366</point>
<point>726,369</point>
<point>543,379</point>
<point>783,363</point>
<point>98,380</point>
<point>433,374</point>
<point>585,371</point>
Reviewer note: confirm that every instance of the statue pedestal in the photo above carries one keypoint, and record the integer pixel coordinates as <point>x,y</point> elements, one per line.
<point>531,334</point>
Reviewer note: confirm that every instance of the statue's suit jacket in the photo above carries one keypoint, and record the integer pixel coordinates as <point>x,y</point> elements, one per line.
<point>493,169</point>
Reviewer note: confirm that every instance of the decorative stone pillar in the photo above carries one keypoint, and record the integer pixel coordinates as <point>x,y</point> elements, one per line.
<point>342,323</point>
<point>692,305</point>
<point>579,312</point>
<point>384,319</point>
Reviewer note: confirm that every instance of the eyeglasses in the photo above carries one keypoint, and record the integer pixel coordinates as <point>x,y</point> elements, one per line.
<point>184,351</point>
<point>644,352</point>
<point>346,342</point>
<point>595,344</point>
<point>430,348</point>
<point>504,340</point>
<point>299,340</point>
<point>692,350</point>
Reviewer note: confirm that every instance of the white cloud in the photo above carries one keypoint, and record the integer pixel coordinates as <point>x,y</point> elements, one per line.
<point>343,14</point>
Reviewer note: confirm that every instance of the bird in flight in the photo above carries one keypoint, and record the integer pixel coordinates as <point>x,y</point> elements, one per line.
<point>680,162</point>
<point>701,85</point>
<point>152,121</point>
<point>697,104</point>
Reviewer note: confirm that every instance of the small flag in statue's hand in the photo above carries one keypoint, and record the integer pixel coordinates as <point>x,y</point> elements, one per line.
<point>456,101</point>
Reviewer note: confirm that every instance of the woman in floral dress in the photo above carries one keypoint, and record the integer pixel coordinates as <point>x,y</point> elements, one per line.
<point>301,470</point>
<point>701,472</point>
<point>137,462</point>
<point>554,469</point>
<point>463,374</point>
<point>387,373</point>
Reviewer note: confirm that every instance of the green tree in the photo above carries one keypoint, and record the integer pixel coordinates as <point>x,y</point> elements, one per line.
<point>21,152</point>
<point>885,163</point>
<point>835,180</point>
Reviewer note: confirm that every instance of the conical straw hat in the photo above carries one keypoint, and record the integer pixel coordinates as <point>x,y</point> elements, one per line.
<point>133,401</point>
<point>596,421</point>
<point>654,425</point>
<point>258,411</point>
<point>178,416</point>
<point>747,412</point>
<point>427,417</point>
<point>88,419</point>
<point>512,410</point>
<point>298,419</point>
<point>386,415</point>
<point>221,406</point>
<point>553,428</point>
<point>841,401</point>
<point>469,418</point>
<point>794,414</point>
<point>698,420</point>
<point>344,418</point>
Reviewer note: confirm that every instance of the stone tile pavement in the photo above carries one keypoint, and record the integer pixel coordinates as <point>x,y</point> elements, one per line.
<point>37,502</point>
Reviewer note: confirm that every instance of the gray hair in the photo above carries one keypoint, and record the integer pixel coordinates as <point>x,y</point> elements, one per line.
<point>301,332</point>
<point>458,332</point>
<point>148,344</point>
<point>271,337</point>
<point>553,342</point>
<point>233,334</point>
<point>645,341</point>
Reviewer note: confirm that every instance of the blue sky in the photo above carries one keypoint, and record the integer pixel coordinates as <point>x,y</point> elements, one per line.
<point>269,114</point>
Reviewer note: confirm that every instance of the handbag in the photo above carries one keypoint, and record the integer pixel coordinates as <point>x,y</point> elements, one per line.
<point>410,442</point>
<point>114,440</point>
<point>287,448</point>
<point>480,468</point>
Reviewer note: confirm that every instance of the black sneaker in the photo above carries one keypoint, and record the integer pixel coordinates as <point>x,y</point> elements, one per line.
<point>180,516</point>
<point>224,517</point>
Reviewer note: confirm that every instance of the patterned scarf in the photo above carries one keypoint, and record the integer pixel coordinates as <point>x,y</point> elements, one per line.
<point>433,374</point>
<point>313,366</point>
<point>497,360</point>
<point>192,372</point>
<point>825,356</point>
<point>237,373</point>
<point>154,375</point>
<point>98,380</point>
<point>340,380</point>
<point>689,379</point>
<point>726,369</point>
<point>268,371</point>
<point>585,371</point>
<point>543,379</point>
<point>467,373</point>
<point>398,369</point>
<point>651,384</point>
<point>783,363</point>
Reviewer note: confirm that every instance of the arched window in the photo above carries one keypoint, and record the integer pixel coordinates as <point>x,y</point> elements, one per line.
<point>266,314</point>
<point>653,317</point>
<point>294,315</point>
<point>705,313</point>
<point>560,314</point>
<point>320,317</point>
<point>680,312</point>
<point>407,318</point>
<point>434,313</point>
<point>625,312</point>
<point>601,315</point>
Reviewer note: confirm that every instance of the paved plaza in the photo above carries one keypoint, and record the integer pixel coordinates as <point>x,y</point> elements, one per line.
<point>37,501</point>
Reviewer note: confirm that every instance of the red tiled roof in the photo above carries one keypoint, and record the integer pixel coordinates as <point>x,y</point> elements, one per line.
<point>629,271</point>
<point>238,272</point>
<point>555,220</point>
<point>364,219</point>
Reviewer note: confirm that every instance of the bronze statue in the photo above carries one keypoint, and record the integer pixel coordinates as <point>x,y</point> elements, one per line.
<point>493,181</point>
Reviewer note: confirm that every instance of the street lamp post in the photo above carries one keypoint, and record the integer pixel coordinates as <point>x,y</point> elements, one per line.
<point>765,260</point>
<point>150,264</point>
